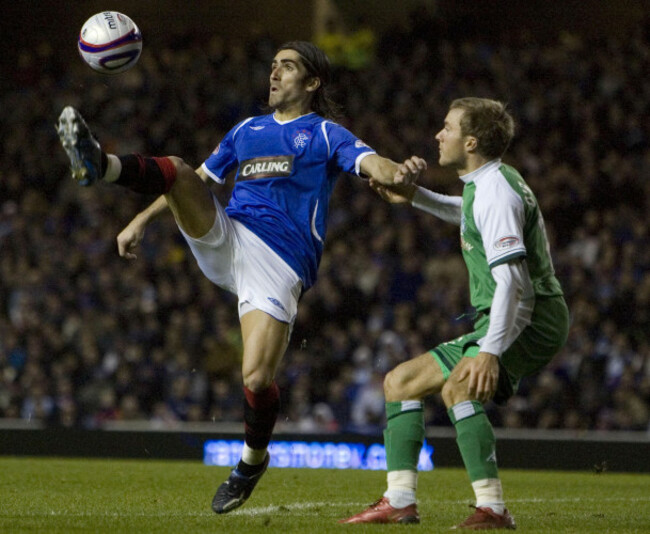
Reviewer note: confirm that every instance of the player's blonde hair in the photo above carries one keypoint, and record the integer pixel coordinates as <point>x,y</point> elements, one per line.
<point>489,122</point>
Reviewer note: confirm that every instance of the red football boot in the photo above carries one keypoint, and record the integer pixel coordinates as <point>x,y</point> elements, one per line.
<point>383,512</point>
<point>486,519</point>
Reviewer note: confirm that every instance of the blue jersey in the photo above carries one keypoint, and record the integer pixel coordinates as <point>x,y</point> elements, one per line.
<point>285,175</point>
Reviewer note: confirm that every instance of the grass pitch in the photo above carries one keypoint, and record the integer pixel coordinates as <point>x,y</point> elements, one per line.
<point>132,496</point>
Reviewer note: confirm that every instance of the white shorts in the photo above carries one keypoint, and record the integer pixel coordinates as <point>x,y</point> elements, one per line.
<point>235,259</point>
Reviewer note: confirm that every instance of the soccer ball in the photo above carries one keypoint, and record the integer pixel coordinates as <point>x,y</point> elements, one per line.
<point>110,42</point>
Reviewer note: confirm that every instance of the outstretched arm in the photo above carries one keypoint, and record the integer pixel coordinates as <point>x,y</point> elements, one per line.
<point>129,238</point>
<point>448,208</point>
<point>395,194</point>
<point>386,171</point>
<point>403,188</point>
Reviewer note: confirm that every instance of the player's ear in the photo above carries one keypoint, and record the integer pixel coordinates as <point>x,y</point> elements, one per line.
<point>313,84</point>
<point>471,143</point>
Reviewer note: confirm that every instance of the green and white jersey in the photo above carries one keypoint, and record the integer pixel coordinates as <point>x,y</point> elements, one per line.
<point>501,221</point>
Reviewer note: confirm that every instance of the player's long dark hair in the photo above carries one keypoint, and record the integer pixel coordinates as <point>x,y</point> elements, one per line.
<point>317,64</point>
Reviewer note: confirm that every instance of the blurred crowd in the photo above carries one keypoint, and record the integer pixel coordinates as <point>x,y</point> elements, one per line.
<point>88,339</point>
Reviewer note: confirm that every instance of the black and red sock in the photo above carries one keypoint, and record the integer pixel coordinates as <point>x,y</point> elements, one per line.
<point>146,175</point>
<point>260,413</point>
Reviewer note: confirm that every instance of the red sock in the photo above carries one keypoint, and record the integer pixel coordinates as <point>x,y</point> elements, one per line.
<point>260,413</point>
<point>147,175</point>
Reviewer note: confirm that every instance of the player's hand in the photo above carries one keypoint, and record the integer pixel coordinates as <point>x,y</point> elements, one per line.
<point>395,194</point>
<point>483,373</point>
<point>129,238</point>
<point>409,171</point>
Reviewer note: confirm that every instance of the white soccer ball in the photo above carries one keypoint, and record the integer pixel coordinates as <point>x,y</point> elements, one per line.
<point>110,42</point>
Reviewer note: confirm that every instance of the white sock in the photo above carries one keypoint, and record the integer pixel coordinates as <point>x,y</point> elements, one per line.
<point>113,168</point>
<point>489,494</point>
<point>401,488</point>
<point>252,456</point>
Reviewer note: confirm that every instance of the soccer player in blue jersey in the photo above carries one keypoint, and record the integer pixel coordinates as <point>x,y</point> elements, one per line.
<point>265,246</point>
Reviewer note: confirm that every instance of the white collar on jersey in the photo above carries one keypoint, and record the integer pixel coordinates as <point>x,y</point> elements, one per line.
<point>291,120</point>
<point>482,170</point>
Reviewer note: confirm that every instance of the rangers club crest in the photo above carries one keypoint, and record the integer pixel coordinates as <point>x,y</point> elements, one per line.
<point>301,138</point>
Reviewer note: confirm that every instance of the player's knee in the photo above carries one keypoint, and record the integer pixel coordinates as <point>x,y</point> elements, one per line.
<point>395,386</point>
<point>181,166</point>
<point>452,393</point>
<point>257,380</point>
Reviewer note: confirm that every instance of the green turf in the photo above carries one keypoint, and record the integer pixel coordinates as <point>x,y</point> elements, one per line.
<point>63,496</point>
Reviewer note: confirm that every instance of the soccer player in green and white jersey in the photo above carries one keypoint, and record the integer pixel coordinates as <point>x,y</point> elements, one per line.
<point>522,318</point>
